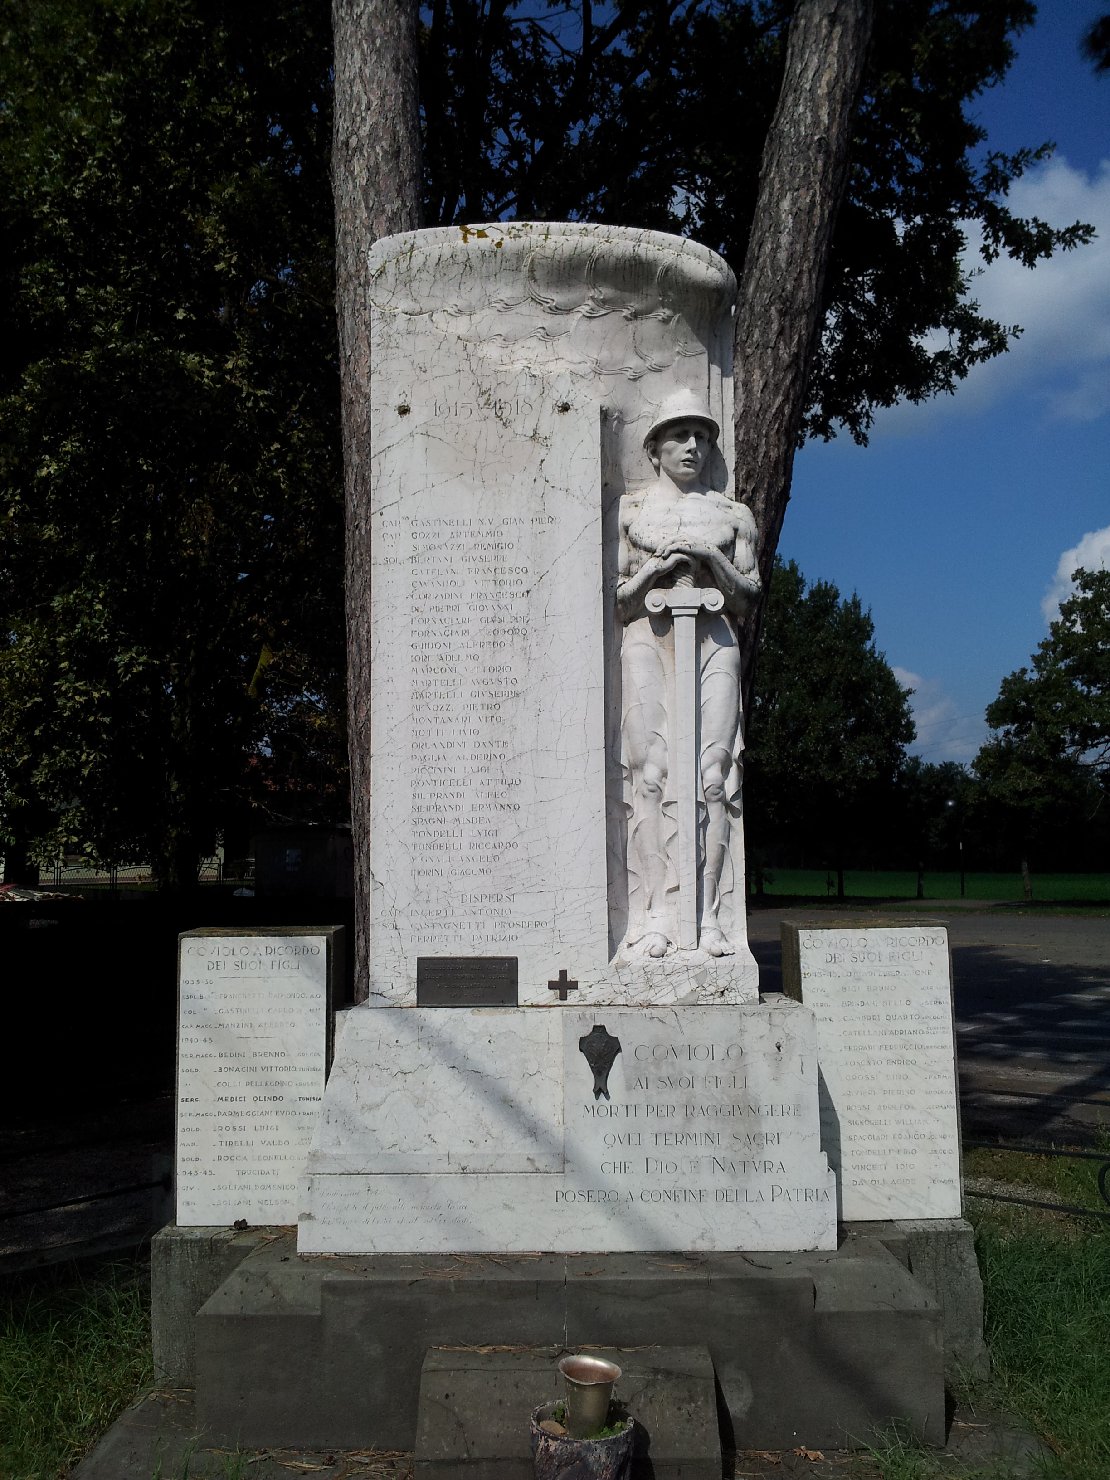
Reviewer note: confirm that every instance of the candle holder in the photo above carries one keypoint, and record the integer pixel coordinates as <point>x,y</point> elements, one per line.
<point>589,1388</point>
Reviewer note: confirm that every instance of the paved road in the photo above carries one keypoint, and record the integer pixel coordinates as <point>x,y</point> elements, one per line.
<point>61,1167</point>
<point>1032,1003</point>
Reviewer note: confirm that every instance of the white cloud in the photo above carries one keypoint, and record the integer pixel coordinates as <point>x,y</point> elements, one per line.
<point>1062,305</point>
<point>1092,553</point>
<point>943,734</point>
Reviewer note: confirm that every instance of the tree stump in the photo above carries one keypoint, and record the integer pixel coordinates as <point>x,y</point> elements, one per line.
<point>559,1457</point>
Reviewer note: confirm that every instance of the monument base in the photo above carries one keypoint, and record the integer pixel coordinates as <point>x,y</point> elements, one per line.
<point>821,1349</point>
<point>570,1128</point>
<point>682,978</point>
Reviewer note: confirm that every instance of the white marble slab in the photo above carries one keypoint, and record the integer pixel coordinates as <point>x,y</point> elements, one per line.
<point>252,1038</point>
<point>488,744</point>
<point>437,1091</point>
<point>889,1122</point>
<point>481,1130</point>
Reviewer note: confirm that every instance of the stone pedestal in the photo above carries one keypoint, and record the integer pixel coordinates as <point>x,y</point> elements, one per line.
<point>818,1349</point>
<point>569,1129</point>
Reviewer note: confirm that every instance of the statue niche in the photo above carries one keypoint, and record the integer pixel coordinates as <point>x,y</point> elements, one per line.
<point>687,577</point>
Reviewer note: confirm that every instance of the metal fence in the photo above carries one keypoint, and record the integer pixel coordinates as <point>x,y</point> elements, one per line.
<point>81,875</point>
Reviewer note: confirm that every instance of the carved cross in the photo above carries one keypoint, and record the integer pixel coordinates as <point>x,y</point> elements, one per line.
<point>562,985</point>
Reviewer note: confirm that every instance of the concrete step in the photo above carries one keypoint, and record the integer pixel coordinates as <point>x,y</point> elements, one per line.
<point>817,1349</point>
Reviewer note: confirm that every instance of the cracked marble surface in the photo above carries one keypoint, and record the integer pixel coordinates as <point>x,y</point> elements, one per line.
<point>515,370</point>
<point>889,1107</point>
<point>494,1129</point>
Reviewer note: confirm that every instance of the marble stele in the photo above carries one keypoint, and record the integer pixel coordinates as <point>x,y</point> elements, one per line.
<point>882,996</point>
<point>535,774</point>
<point>559,571</point>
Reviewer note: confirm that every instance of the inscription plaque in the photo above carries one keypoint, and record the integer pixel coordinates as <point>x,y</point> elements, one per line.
<point>882,997</point>
<point>253,1022</point>
<point>496,1131</point>
<point>466,981</point>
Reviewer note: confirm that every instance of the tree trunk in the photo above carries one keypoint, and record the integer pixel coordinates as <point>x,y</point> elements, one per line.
<point>377,188</point>
<point>19,869</point>
<point>175,863</point>
<point>1026,881</point>
<point>779,312</point>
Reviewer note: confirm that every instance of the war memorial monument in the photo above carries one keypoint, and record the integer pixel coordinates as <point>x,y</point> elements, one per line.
<point>560,1115</point>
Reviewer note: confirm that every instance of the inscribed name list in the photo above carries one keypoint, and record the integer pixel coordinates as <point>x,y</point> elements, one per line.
<point>487,729</point>
<point>252,1026</point>
<point>883,1002</point>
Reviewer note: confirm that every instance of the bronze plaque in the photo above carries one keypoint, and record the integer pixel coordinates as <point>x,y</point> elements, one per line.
<point>466,981</point>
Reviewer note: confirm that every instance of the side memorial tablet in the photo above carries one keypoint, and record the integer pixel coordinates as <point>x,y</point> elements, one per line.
<point>882,997</point>
<point>253,1031</point>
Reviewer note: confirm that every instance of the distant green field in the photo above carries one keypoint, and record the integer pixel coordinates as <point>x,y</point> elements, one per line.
<point>815,883</point>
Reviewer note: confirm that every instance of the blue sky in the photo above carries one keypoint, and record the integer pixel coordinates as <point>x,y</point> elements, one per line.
<point>956,524</point>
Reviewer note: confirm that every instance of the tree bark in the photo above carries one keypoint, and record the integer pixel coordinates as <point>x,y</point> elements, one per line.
<point>377,189</point>
<point>19,869</point>
<point>780,308</point>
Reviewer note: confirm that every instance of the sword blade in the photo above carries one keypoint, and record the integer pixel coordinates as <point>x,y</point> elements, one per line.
<point>686,774</point>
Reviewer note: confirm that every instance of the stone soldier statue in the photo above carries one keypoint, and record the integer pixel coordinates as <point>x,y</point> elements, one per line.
<point>687,577</point>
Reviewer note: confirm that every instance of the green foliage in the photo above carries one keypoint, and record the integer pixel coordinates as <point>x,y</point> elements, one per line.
<point>170,509</point>
<point>655,115</point>
<point>74,1351</point>
<point>1096,43</point>
<point>827,737</point>
<point>934,803</point>
<point>1049,762</point>
<point>1061,708</point>
<point>169,505</point>
<point>616,1421</point>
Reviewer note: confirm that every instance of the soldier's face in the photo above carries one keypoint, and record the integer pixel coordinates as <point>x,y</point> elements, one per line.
<point>682,449</point>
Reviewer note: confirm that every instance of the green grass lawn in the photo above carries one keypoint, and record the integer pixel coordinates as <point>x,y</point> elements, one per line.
<point>818,883</point>
<point>1048,1328</point>
<point>74,1351</point>
<point>1046,1278</point>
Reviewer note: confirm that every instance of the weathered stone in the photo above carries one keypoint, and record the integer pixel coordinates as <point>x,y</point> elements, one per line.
<point>882,995</point>
<point>517,369</point>
<point>254,1012</point>
<point>503,1129</point>
<point>186,1266</point>
<point>817,1349</point>
<point>474,1411</point>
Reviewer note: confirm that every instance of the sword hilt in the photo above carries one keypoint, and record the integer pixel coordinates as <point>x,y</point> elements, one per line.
<point>684,600</point>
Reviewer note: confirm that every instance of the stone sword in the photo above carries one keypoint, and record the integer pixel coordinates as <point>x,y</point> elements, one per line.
<point>684,600</point>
